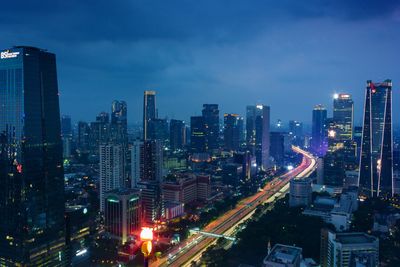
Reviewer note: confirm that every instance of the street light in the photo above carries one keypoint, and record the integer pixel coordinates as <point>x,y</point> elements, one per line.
<point>146,236</point>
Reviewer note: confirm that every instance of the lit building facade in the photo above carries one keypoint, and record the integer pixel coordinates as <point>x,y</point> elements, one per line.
<point>210,114</point>
<point>122,213</point>
<point>258,133</point>
<point>318,135</point>
<point>376,163</point>
<point>111,170</point>
<point>32,225</point>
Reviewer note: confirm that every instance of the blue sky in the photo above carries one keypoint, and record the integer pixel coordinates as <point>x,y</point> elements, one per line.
<point>287,54</point>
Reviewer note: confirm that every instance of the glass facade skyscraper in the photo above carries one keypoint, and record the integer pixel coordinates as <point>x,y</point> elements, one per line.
<point>210,114</point>
<point>376,163</point>
<point>31,170</point>
<point>258,133</point>
<point>319,140</point>
<point>232,131</point>
<point>149,111</point>
<point>343,111</point>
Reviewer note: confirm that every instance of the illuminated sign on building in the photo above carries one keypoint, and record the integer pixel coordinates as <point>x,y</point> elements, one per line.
<point>8,54</point>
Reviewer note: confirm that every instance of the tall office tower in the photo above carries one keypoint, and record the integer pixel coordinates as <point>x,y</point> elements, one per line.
<point>111,170</point>
<point>147,161</point>
<point>343,112</point>
<point>99,132</point>
<point>31,170</point>
<point>318,141</point>
<point>265,142</point>
<point>251,113</point>
<point>149,111</point>
<point>376,164</point>
<point>277,148</point>
<point>119,122</point>
<point>122,213</point>
<point>158,130</point>
<point>66,135</point>
<point>83,136</point>
<point>177,134</point>
<point>296,133</point>
<point>232,132</point>
<point>348,249</point>
<point>197,135</point>
<point>258,133</point>
<point>211,121</point>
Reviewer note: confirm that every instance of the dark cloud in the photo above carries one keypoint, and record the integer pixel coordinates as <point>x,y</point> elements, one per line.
<point>233,52</point>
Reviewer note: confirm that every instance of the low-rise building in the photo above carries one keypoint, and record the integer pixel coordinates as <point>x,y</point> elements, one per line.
<point>283,256</point>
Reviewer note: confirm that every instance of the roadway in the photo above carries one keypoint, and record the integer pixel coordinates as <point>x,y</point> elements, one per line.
<point>193,247</point>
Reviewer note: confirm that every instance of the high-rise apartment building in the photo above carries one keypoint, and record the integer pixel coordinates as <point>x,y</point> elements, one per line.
<point>147,161</point>
<point>376,164</point>
<point>32,225</point>
<point>111,170</point>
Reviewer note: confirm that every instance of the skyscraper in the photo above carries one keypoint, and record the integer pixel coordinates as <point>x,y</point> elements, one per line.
<point>211,121</point>
<point>197,135</point>
<point>277,148</point>
<point>119,122</point>
<point>296,133</point>
<point>318,141</point>
<point>31,170</point>
<point>66,135</point>
<point>149,111</point>
<point>343,112</point>
<point>177,134</point>
<point>258,133</point>
<point>111,170</point>
<point>158,130</point>
<point>147,161</point>
<point>376,163</point>
<point>232,132</point>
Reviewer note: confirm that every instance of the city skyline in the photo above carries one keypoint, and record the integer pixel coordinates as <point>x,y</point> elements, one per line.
<point>270,53</point>
<point>200,133</point>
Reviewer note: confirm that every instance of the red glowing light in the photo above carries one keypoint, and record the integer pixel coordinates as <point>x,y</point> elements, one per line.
<point>19,168</point>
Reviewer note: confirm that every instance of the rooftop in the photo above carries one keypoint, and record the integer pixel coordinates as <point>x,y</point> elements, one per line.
<point>283,254</point>
<point>354,238</point>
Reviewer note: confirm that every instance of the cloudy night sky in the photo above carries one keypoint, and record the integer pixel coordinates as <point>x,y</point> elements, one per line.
<point>287,54</point>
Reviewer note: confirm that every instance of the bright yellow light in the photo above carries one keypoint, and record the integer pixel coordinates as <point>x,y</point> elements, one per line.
<point>146,234</point>
<point>331,133</point>
<point>146,248</point>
